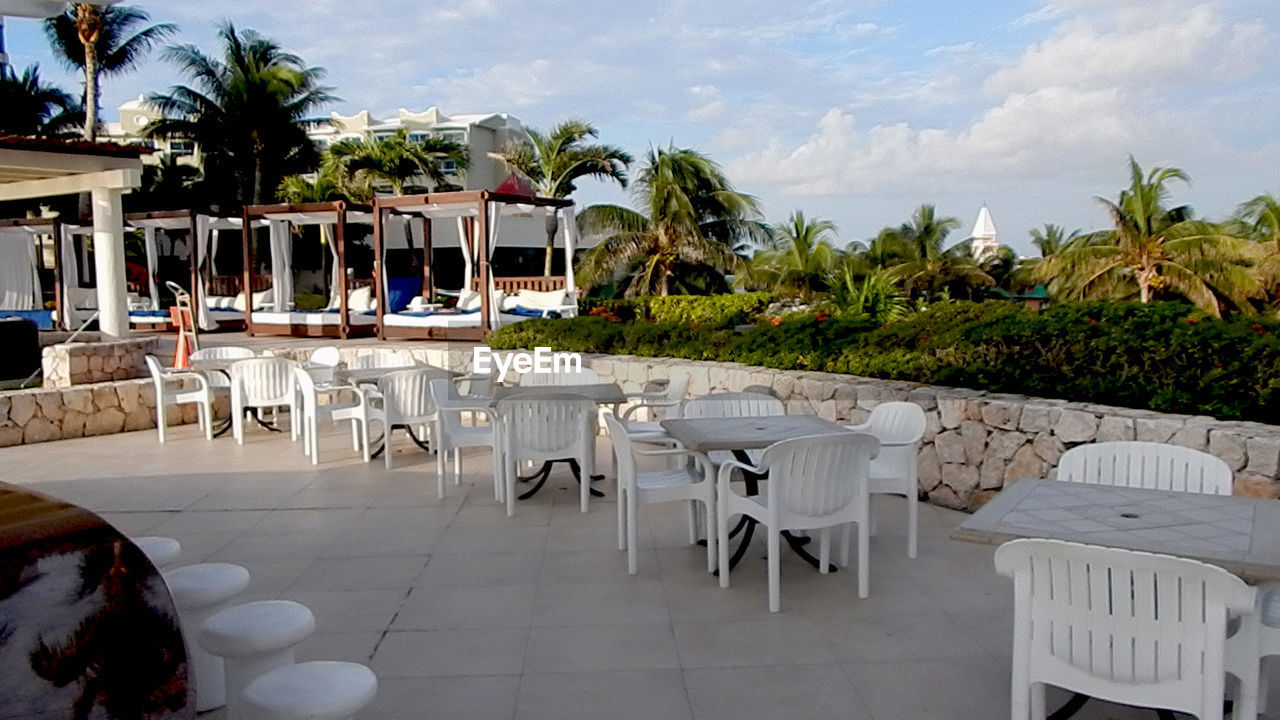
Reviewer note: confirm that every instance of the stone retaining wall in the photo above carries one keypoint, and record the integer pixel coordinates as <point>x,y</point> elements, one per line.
<point>31,416</point>
<point>84,363</point>
<point>976,442</point>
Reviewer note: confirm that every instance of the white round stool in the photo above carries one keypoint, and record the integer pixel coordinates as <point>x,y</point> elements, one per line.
<point>199,591</point>
<point>310,691</point>
<point>253,639</point>
<point>161,551</point>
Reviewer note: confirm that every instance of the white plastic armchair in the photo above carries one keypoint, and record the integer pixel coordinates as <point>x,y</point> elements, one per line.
<point>260,383</point>
<point>381,359</point>
<point>817,482</point>
<point>403,400</point>
<point>342,403</point>
<point>222,352</point>
<point>733,404</point>
<point>545,427</point>
<point>1257,638</point>
<point>692,481</point>
<point>584,376</point>
<point>452,435</point>
<point>1132,627</point>
<point>181,387</point>
<point>322,362</point>
<point>659,404</point>
<point>899,426</point>
<point>1155,466</point>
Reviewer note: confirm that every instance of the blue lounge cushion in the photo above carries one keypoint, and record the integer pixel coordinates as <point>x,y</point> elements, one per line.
<point>401,291</point>
<point>42,318</point>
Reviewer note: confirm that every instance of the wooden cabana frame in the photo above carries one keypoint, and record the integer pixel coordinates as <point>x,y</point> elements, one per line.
<point>473,207</point>
<point>189,222</point>
<point>36,226</point>
<point>314,214</point>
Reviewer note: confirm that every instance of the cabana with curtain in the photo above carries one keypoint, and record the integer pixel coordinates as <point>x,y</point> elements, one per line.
<point>476,222</point>
<point>351,307</point>
<point>21,290</point>
<point>218,299</point>
<point>75,294</point>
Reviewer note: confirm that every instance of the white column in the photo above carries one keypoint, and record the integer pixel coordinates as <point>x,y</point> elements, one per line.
<point>108,252</point>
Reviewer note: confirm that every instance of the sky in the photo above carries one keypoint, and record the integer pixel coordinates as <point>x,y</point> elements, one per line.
<point>855,111</point>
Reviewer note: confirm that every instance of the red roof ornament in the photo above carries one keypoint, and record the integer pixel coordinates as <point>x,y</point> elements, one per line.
<point>516,185</point>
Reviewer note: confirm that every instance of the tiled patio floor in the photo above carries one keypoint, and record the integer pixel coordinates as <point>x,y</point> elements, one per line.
<point>466,613</point>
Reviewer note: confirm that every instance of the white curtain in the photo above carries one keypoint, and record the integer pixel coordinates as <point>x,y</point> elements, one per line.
<point>149,241</point>
<point>19,279</point>
<point>213,253</point>
<point>336,284</point>
<point>495,216</point>
<point>70,278</point>
<point>464,240</point>
<point>569,226</point>
<point>281,267</point>
<point>200,246</point>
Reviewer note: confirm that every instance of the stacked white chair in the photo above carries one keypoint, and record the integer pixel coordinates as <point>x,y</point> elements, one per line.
<point>219,381</point>
<point>1155,466</point>
<point>404,400</point>
<point>545,427</point>
<point>693,481</point>
<point>199,591</point>
<point>451,435</point>
<point>180,387</point>
<point>253,639</point>
<point>1132,627</point>
<point>899,426</point>
<point>261,383</point>
<point>815,483</point>
<point>342,403</point>
<point>321,690</point>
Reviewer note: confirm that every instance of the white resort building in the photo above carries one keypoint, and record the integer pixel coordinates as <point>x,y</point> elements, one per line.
<point>983,238</point>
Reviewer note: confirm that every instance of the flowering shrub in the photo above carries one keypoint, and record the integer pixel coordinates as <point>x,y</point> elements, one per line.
<point>1161,356</point>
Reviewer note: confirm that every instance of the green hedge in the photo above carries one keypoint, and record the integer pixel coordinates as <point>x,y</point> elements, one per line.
<point>1162,356</point>
<point>715,310</point>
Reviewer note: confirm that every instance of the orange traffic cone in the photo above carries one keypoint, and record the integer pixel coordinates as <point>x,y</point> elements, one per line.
<point>181,350</point>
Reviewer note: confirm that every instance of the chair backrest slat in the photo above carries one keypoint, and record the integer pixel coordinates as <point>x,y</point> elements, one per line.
<point>538,426</point>
<point>223,352</point>
<point>407,394</point>
<point>818,475</point>
<point>585,376</point>
<point>733,404</point>
<point>381,359</point>
<point>263,381</point>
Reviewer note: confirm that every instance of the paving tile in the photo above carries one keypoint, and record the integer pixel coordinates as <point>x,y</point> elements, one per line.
<point>423,653</point>
<point>795,692</point>
<point>479,697</point>
<point>632,695</point>
<point>600,647</point>
<point>431,608</point>
<point>601,604</point>
<point>360,573</point>
<point>776,641</point>
<point>481,569</point>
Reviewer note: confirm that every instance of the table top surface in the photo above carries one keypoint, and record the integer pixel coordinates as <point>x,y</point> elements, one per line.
<point>745,433</point>
<point>1240,534</point>
<point>600,393</point>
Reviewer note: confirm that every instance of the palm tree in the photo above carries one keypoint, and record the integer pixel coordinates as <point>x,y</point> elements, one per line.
<point>1160,250</point>
<point>798,260</point>
<point>691,221</point>
<point>875,295</point>
<point>324,186</point>
<point>102,40</point>
<point>395,160</point>
<point>246,110</point>
<point>554,162</point>
<point>929,267</point>
<point>29,107</point>
<point>1052,238</point>
<point>1259,218</point>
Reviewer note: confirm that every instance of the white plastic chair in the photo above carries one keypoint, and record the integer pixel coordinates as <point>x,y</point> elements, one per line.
<point>258,383</point>
<point>321,363</point>
<point>731,405</point>
<point>693,481</point>
<point>1258,637</point>
<point>542,428</point>
<point>1131,627</point>
<point>343,403</point>
<point>403,399</point>
<point>1155,466</point>
<point>660,404</point>
<point>381,359</point>
<point>452,435</point>
<point>585,376</point>
<point>899,426</point>
<point>170,388</point>
<point>221,352</point>
<point>815,483</point>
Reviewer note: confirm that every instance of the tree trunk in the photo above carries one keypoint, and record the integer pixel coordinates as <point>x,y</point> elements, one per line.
<point>552,226</point>
<point>91,91</point>
<point>257,179</point>
<point>1144,289</point>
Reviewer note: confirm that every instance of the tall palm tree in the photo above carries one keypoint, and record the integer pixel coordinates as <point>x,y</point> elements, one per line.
<point>929,266</point>
<point>102,40</point>
<point>246,110</point>
<point>1052,238</point>
<point>30,107</point>
<point>798,259</point>
<point>1158,249</point>
<point>324,186</point>
<point>1259,218</point>
<point>396,160</point>
<point>691,221</point>
<point>555,161</point>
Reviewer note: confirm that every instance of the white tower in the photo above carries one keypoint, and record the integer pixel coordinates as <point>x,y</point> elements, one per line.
<point>983,237</point>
